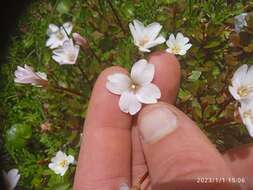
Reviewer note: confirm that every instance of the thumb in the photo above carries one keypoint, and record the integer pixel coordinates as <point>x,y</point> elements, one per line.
<point>178,154</point>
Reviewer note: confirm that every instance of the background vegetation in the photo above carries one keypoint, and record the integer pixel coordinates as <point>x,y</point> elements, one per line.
<point>36,122</point>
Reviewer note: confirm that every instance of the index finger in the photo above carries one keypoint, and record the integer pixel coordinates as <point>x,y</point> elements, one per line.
<point>105,156</point>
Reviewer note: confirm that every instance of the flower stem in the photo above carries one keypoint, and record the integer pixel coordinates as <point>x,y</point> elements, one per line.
<point>94,54</point>
<point>116,16</point>
<point>85,76</point>
<point>68,91</point>
<point>221,122</point>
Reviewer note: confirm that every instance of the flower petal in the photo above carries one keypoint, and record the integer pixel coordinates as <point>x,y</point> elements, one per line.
<point>181,39</point>
<point>52,28</point>
<point>143,49</point>
<point>240,74</point>
<point>129,103</point>
<point>68,26</point>
<point>249,125</point>
<point>58,59</point>
<point>246,107</point>
<point>68,44</point>
<point>133,32</point>
<point>182,52</point>
<point>148,94</point>
<point>155,42</point>
<point>13,178</point>
<point>233,92</point>
<point>171,41</point>
<point>70,159</point>
<point>124,186</point>
<point>42,75</point>
<point>142,72</point>
<point>51,41</point>
<point>187,46</point>
<point>152,30</point>
<point>118,83</point>
<point>139,27</point>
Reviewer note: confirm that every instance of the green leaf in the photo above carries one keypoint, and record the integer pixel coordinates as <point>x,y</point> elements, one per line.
<point>63,186</point>
<point>216,71</point>
<point>212,44</point>
<point>194,75</point>
<point>184,95</point>
<point>17,135</point>
<point>63,6</point>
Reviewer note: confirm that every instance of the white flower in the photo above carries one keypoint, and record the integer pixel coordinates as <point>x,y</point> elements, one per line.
<point>60,163</point>
<point>124,186</point>
<point>67,54</point>
<point>178,45</point>
<point>57,35</point>
<point>135,90</point>
<point>26,75</point>
<point>11,178</point>
<point>240,22</point>
<point>246,113</point>
<point>146,37</point>
<point>242,83</point>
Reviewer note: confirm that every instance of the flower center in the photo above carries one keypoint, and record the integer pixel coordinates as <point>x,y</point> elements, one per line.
<point>244,91</point>
<point>63,163</point>
<point>175,49</point>
<point>60,35</point>
<point>248,114</point>
<point>133,87</point>
<point>144,40</point>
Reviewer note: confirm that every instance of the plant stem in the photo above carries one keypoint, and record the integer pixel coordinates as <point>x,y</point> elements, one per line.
<point>94,54</point>
<point>84,76</point>
<point>221,122</point>
<point>116,16</point>
<point>69,91</point>
<point>225,104</point>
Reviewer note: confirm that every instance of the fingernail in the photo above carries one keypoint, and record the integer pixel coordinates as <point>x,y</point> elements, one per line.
<point>156,124</point>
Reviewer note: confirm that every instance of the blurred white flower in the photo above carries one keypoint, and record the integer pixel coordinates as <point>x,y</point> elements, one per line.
<point>178,45</point>
<point>67,54</point>
<point>11,178</point>
<point>26,75</point>
<point>246,113</point>
<point>146,37</point>
<point>60,163</point>
<point>240,22</point>
<point>124,186</point>
<point>57,35</point>
<point>242,83</point>
<point>135,90</point>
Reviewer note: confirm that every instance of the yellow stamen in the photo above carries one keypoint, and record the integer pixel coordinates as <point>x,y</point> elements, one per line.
<point>175,49</point>
<point>133,86</point>
<point>63,163</point>
<point>60,35</point>
<point>144,40</point>
<point>243,91</point>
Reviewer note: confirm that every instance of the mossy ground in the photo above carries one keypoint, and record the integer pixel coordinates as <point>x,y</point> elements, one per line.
<point>207,68</point>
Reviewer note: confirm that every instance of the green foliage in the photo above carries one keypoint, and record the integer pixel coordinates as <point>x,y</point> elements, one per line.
<point>36,123</point>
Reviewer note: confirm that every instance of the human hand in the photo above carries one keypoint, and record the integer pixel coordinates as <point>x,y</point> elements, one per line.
<point>118,148</point>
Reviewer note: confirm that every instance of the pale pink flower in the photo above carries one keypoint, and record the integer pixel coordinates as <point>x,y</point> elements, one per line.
<point>136,88</point>
<point>26,75</point>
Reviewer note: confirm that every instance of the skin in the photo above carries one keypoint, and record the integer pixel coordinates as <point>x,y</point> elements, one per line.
<point>112,151</point>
